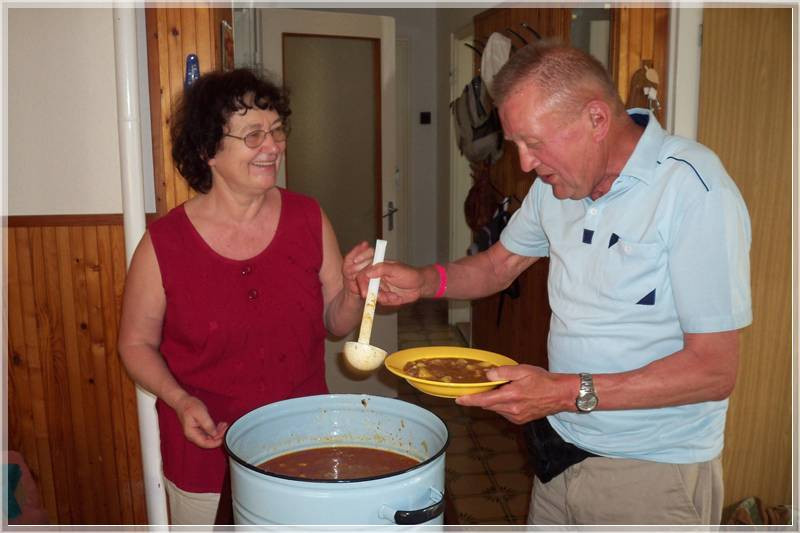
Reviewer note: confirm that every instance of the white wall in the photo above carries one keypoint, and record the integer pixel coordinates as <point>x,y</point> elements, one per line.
<point>63,153</point>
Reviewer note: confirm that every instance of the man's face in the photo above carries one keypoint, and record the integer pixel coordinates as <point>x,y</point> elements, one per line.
<point>557,144</point>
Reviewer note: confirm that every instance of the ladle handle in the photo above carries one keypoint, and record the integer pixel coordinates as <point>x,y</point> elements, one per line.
<point>372,295</point>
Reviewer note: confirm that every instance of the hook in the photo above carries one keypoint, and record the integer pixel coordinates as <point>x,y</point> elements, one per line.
<point>474,49</point>
<point>517,35</point>
<point>534,32</point>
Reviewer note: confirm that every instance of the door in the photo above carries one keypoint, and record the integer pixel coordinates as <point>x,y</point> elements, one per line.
<point>340,69</point>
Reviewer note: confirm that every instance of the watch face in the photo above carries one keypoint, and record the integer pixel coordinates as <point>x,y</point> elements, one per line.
<point>586,402</point>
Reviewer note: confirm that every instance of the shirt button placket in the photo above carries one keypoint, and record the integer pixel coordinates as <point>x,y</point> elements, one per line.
<point>252,293</point>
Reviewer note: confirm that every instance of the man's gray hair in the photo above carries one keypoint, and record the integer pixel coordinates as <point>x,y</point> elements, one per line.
<point>568,76</point>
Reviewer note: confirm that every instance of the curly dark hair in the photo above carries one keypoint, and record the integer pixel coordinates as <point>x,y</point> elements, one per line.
<point>203,110</point>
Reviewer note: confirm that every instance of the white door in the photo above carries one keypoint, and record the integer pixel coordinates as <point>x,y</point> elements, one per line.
<point>340,70</point>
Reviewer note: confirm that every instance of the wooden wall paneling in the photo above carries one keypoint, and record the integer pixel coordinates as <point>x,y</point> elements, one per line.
<point>116,430</point>
<point>42,367</point>
<point>637,34</point>
<point>130,419</point>
<point>157,71</point>
<point>21,433</point>
<point>176,63</point>
<point>68,392</point>
<point>173,34</point>
<point>33,355</point>
<point>86,373</point>
<point>81,481</point>
<point>100,382</point>
<point>745,84</point>
<point>59,421</point>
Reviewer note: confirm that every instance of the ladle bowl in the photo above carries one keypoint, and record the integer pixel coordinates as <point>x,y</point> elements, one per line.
<point>360,354</point>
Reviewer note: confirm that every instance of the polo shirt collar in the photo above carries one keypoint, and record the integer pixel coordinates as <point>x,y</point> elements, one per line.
<point>644,160</point>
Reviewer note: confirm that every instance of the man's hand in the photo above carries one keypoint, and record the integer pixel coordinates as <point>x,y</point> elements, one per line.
<point>400,283</point>
<point>531,393</point>
<point>198,427</point>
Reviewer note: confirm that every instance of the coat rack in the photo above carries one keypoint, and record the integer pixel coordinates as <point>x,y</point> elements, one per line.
<point>479,45</point>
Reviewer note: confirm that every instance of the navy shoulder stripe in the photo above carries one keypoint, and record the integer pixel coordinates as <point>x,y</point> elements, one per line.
<point>692,167</point>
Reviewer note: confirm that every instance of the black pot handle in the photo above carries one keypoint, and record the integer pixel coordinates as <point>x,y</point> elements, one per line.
<point>420,516</point>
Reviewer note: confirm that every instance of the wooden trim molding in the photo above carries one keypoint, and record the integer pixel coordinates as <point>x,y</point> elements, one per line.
<point>44,221</point>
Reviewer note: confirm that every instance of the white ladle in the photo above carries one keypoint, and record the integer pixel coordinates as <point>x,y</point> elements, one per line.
<point>361,355</point>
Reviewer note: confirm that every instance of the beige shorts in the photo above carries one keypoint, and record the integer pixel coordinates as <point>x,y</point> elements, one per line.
<point>600,490</point>
<point>191,508</point>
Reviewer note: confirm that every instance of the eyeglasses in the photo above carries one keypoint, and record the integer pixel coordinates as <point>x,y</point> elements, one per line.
<point>256,138</point>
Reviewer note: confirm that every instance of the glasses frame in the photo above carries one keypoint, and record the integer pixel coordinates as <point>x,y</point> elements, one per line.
<point>266,133</point>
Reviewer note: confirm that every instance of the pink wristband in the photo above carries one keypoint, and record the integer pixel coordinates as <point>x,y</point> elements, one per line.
<point>442,280</point>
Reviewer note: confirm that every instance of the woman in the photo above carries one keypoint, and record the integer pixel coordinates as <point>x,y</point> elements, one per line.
<point>229,296</point>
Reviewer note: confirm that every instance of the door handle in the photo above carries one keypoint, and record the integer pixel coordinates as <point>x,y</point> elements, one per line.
<point>390,213</point>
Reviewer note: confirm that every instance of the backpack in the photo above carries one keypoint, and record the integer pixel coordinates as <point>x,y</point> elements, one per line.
<point>479,135</point>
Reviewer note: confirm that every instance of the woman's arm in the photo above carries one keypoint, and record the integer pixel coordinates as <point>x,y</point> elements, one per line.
<point>343,303</point>
<point>143,307</point>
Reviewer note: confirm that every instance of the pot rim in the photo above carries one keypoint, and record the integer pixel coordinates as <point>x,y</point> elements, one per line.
<point>421,464</point>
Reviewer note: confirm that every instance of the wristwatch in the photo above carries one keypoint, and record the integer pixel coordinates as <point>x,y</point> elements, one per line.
<point>587,398</point>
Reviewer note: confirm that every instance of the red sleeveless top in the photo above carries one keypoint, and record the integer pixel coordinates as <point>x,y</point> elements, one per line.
<point>238,334</point>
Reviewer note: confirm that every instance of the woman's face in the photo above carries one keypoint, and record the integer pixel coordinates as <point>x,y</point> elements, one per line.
<point>242,168</point>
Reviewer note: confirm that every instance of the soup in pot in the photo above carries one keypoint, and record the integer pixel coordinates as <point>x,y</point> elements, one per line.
<point>338,462</point>
<point>449,369</point>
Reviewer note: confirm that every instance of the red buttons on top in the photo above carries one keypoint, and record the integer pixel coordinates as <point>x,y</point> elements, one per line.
<point>252,294</point>
<point>246,269</point>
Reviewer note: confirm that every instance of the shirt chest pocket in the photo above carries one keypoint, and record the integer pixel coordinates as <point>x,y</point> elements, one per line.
<point>633,272</point>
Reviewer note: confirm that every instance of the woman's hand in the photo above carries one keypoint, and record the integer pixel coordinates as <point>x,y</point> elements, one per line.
<point>198,427</point>
<point>354,262</point>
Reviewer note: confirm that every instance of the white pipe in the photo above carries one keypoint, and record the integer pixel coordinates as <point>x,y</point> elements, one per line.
<point>130,150</point>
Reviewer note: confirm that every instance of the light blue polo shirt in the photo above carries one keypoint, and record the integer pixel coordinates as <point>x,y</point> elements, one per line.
<point>663,253</point>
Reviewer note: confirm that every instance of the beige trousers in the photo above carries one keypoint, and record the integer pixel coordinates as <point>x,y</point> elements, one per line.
<point>600,490</point>
<point>190,508</point>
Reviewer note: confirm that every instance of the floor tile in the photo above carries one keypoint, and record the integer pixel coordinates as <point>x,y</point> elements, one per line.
<point>487,476</point>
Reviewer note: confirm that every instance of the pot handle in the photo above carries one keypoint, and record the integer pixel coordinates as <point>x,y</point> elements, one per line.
<point>417,516</point>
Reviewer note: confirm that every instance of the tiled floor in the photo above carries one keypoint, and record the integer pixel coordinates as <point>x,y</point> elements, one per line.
<point>487,476</point>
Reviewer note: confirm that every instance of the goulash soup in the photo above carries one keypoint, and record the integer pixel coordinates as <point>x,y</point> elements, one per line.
<point>338,462</point>
<point>449,369</point>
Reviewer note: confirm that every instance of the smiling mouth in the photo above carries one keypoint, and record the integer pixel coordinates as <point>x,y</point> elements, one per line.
<point>263,164</point>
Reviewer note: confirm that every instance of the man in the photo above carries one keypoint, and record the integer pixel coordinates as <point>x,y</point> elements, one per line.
<point>648,240</point>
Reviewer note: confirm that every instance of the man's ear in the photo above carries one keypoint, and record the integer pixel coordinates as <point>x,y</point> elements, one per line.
<point>599,115</point>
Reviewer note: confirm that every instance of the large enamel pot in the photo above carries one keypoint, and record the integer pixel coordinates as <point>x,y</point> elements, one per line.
<point>412,496</point>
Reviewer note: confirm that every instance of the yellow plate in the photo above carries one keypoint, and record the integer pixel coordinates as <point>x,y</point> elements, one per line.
<point>395,363</point>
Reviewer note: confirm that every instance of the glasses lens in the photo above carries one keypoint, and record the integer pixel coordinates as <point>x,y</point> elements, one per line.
<point>255,138</point>
<point>278,134</point>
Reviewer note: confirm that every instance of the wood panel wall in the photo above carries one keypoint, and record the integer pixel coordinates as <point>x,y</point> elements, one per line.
<point>640,34</point>
<point>71,406</point>
<point>172,34</point>
<point>745,85</point>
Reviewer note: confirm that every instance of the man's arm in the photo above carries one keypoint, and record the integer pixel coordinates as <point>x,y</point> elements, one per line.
<point>468,278</point>
<point>704,370</point>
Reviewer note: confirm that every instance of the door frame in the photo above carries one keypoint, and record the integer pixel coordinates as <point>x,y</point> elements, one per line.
<point>461,71</point>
